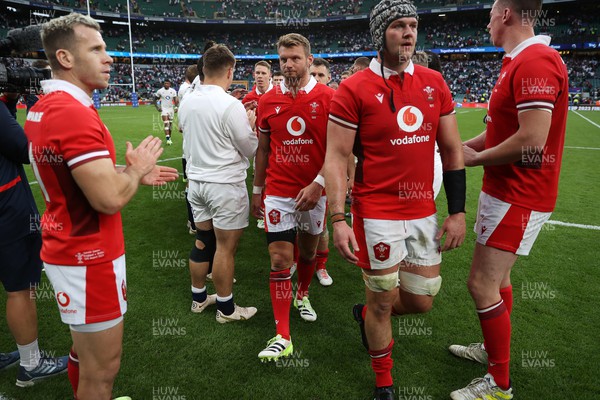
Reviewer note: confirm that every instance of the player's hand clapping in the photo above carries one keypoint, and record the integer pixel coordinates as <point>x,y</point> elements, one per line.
<point>251,105</point>
<point>251,118</point>
<point>160,175</point>
<point>142,159</point>
<point>239,93</point>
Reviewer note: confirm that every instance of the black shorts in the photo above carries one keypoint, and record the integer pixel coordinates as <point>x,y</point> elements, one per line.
<point>20,263</point>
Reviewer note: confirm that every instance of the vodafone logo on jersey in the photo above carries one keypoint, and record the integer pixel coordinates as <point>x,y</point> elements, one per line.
<point>63,299</point>
<point>409,118</point>
<point>296,126</point>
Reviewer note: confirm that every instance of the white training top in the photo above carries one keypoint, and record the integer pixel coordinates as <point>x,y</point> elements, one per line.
<point>167,98</point>
<point>182,90</point>
<point>218,139</point>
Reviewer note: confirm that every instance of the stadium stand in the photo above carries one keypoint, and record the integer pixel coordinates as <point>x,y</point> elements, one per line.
<point>470,77</point>
<point>248,9</point>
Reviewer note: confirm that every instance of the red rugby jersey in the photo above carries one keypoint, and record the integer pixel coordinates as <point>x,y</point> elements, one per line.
<point>65,131</point>
<point>394,174</point>
<point>533,76</point>
<point>254,94</point>
<point>297,128</point>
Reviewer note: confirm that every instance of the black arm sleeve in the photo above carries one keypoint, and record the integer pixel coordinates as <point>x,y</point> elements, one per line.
<point>455,185</point>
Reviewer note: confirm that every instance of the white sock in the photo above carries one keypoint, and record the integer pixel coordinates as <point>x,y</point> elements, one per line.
<point>224,299</point>
<point>198,290</point>
<point>30,355</point>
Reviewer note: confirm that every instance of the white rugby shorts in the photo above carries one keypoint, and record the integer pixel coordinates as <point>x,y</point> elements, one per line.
<point>385,243</point>
<point>89,294</point>
<point>226,204</point>
<point>280,215</point>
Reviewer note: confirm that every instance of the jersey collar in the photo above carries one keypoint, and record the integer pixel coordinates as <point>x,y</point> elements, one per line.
<point>375,67</point>
<point>196,83</point>
<point>59,85</point>
<point>539,39</point>
<point>312,82</point>
<point>258,92</point>
<point>210,89</point>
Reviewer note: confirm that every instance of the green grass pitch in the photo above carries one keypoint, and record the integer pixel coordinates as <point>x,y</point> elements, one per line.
<point>170,353</point>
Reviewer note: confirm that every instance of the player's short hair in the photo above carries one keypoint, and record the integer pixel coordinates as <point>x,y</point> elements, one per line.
<point>293,40</point>
<point>217,60</point>
<point>277,73</point>
<point>167,80</point>
<point>40,64</point>
<point>317,62</point>
<point>59,33</point>
<point>263,63</point>
<point>200,64</point>
<point>363,62</point>
<point>428,59</point>
<point>191,72</point>
<point>528,9</point>
<point>346,73</point>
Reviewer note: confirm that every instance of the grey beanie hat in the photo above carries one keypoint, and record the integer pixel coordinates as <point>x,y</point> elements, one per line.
<point>384,13</point>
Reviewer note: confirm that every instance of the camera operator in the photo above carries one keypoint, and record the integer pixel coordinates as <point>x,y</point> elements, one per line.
<point>32,98</point>
<point>20,244</point>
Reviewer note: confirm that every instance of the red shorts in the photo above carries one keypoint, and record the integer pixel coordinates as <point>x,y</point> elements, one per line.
<point>89,294</point>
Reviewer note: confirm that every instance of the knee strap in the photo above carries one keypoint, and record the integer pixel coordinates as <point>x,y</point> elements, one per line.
<point>381,283</point>
<point>417,284</point>
<point>210,246</point>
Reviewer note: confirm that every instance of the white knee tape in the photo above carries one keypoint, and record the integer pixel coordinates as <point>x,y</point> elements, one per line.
<point>381,283</point>
<point>417,284</point>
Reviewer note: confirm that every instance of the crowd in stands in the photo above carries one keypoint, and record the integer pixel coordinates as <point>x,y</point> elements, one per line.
<point>470,80</point>
<point>455,31</point>
<point>248,9</point>
<point>256,43</point>
<point>583,72</point>
<point>284,9</point>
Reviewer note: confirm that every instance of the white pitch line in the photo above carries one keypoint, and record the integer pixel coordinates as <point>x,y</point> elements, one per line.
<point>582,148</point>
<point>569,224</point>
<point>551,222</point>
<point>169,159</point>
<point>587,119</point>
